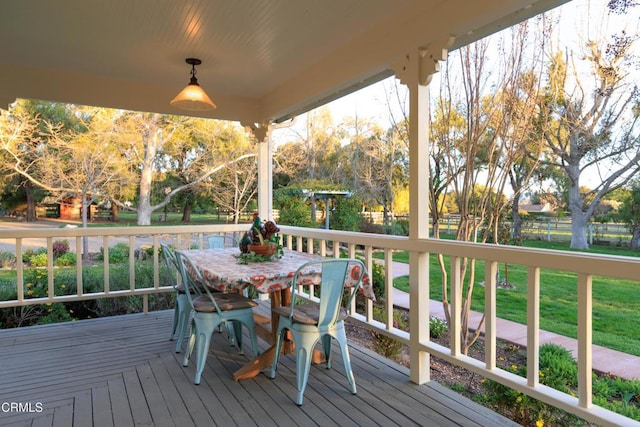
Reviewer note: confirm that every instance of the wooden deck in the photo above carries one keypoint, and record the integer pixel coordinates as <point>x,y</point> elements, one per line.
<point>123,371</point>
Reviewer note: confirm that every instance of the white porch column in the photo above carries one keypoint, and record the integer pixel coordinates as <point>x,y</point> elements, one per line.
<point>262,133</point>
<point>415,71</point>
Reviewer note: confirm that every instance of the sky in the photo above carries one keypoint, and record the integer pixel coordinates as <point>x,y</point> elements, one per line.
<point>372,102</point>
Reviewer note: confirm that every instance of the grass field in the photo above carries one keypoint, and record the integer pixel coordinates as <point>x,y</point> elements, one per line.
<point>616,303</point>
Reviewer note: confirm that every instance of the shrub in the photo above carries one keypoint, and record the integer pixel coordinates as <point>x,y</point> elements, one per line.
<point>399,227</point>
<point>66,259</point>
<point>346,215</point>
<point>366,226</point>
<point>38,260</point>
<point>117,254</point>
<point>7,259</point>
<point>437,327</point>
<point>60,247</point>
<point>525,410</point>
<point>30,253</point>
<point>383,344</point>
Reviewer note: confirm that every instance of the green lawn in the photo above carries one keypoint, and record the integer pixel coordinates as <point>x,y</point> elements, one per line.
<point>129,219</point>
<point>616,303</point>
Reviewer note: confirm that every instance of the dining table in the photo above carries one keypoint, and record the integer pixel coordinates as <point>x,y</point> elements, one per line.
<point>224,270</point>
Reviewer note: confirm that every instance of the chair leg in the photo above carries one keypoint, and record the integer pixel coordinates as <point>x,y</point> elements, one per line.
<point>303,365</point>
<point>326,346</point>
<point>175,322</point>
<point>204,330</point>
<point>344,349</point>
<point>276,356</point>
<point>190,345</point>
<point>183,322</point>
<point>234,329</point>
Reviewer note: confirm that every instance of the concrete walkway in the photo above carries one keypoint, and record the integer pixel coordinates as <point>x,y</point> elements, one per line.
<point>604,360</point>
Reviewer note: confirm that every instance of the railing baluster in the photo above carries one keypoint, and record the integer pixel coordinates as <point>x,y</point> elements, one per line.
<point>105,263</point>
<point>490,270</point>
<point>50,279</point>
<point>585,320</point>
<point>368,257</point>
<point>388,286</point>
<point>79,264</point>
<point>456,305</point>
<point>132,265</point>
<point>533,326</point>
<point>20,271</point>
<point>156,262</point>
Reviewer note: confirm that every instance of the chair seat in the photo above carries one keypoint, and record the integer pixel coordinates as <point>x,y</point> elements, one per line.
<point>181,289</point>
<point>226,302</point>
<point>307,314</point>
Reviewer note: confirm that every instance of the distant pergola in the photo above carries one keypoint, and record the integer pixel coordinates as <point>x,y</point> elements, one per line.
<point>325,195</point>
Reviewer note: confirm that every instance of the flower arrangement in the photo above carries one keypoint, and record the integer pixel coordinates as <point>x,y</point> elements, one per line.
<point>261,239</point>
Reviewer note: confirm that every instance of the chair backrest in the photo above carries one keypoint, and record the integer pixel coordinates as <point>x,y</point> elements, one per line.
<point>333,275</point>
<point>219,241</point>
<point>171,263</point>
<point>193,281</point>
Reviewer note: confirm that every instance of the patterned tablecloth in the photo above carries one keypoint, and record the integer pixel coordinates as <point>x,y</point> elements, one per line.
<point>221,270</point>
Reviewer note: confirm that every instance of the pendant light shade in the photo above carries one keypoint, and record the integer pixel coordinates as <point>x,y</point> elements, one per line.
<point>192,97</point>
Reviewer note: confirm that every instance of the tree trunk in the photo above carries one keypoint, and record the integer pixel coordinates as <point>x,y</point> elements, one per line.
<point>313,209</point>
<point>517,222</point>
<point>31,202</point>
<point>86,205</point>
<point>579,230</point>
<point>187,209</point>
<point>114,212</point>
<point>635,238</point>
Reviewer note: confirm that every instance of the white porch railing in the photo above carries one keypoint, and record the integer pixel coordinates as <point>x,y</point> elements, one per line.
<point>585,266</point>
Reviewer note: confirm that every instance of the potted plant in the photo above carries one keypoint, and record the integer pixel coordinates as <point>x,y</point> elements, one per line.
<point>262,238</point>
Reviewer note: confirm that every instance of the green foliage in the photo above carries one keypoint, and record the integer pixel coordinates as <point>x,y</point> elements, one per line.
<point>66,259</point>
<point>526,410</point>
<point>38,260</point>
<point>294,209</point>
<point>437,327</point>
<point>7,259</point>
<point>117,254</point>
<point>399,227</point>
<point>29,253</point>
<point>347,214</point>
<point>54,313</point>
<point>36,286</point>
<point>618,395</point>
<point>383,344</point>
<point>558,370</point>
<point>367,226</point>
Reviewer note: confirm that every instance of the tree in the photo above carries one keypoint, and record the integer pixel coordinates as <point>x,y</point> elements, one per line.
<point>630,213</point>
<point>592,128</point>
<point>28,127</point>
<point>77,161</point>
<point>151,142</point>
<point>375,163</point>
<point>482,138</point>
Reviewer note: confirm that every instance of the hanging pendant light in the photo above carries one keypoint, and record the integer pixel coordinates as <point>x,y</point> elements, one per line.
<point>192,97</point>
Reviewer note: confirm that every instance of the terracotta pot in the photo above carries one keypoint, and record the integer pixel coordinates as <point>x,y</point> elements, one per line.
<point>266,249</point>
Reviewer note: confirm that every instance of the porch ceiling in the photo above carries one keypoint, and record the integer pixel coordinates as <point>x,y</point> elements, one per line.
<point>262,60</point>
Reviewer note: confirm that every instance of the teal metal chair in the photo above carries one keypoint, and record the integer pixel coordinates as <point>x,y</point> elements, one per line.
<point>182,310</point>
<point>312,322</point>
<point>219,241</point>
<point>210,310</point>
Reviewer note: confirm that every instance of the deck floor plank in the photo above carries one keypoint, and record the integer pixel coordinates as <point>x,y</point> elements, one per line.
<point>120,407</point>
<point>123,370</point>
<point>82,413</point>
